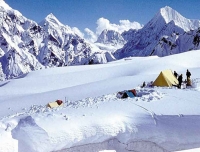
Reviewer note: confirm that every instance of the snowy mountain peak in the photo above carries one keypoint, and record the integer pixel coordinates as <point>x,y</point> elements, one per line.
<point>170,14</point>
<point>159,35</point>
<point>4,5</point>
<point>52,19</point>
<point>51,16</point>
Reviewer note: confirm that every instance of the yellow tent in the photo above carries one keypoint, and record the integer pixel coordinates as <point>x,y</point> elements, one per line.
<point>166,78</point>
<point>55,104</point>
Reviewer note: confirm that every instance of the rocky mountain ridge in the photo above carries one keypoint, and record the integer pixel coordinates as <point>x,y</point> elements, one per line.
<point>111,37</point>
<point>166,24</point>
<point>27,46</point>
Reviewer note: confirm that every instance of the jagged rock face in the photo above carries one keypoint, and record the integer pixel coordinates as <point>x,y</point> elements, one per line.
<point>26,46</point>
<point>174,44</point>
<point>15,41</point>
<point>111,37</point>
<point>166,23</point>
<point>129,35</point>
<point>60,46</point>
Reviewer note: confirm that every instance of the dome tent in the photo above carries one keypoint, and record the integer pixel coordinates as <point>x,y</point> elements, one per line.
<point>165,79</point>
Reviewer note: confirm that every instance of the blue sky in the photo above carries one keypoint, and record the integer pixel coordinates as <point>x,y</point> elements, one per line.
<point>85,13</point>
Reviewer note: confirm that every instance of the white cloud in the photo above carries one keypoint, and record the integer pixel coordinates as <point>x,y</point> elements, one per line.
<point>90,35</point>
<point>123,25</point>
<point>103,23</point>
<point>78,32</point>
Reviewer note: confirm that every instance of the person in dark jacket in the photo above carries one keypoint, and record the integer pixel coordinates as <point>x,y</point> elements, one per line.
<point>188,74</point>
<point>175,74</point>
<point>143,85</point>
<point>180,80</point>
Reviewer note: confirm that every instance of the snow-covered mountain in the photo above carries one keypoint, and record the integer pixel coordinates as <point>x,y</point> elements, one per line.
<point>17,35</point>
<point>178,43</point>
<point>168,14</point>
<point>116,37</point>
<point>129,35</point>
<point>26,45</point>
<point>111,37</point>
<point>61,46</point>
<point>166,24</point>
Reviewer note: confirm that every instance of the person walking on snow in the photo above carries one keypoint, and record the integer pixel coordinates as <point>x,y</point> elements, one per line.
<point>180,80</point>
<point>143,85</point>
<point>188,74</point>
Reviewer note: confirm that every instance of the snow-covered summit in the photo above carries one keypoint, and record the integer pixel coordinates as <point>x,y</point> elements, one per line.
<point>52,24</point>
<point>166,23</point>
<point>170,14</point>
<point>51,20</point>
<point>4,5</point>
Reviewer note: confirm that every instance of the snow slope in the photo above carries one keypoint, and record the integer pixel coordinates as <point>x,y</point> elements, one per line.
<point>93,119</point>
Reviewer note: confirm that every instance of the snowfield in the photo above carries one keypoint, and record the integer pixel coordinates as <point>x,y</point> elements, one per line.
<point>93,119</point>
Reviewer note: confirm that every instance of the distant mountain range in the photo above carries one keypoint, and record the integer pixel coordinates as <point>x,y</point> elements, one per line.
<point>162,36</point>
<point>26,45</point>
